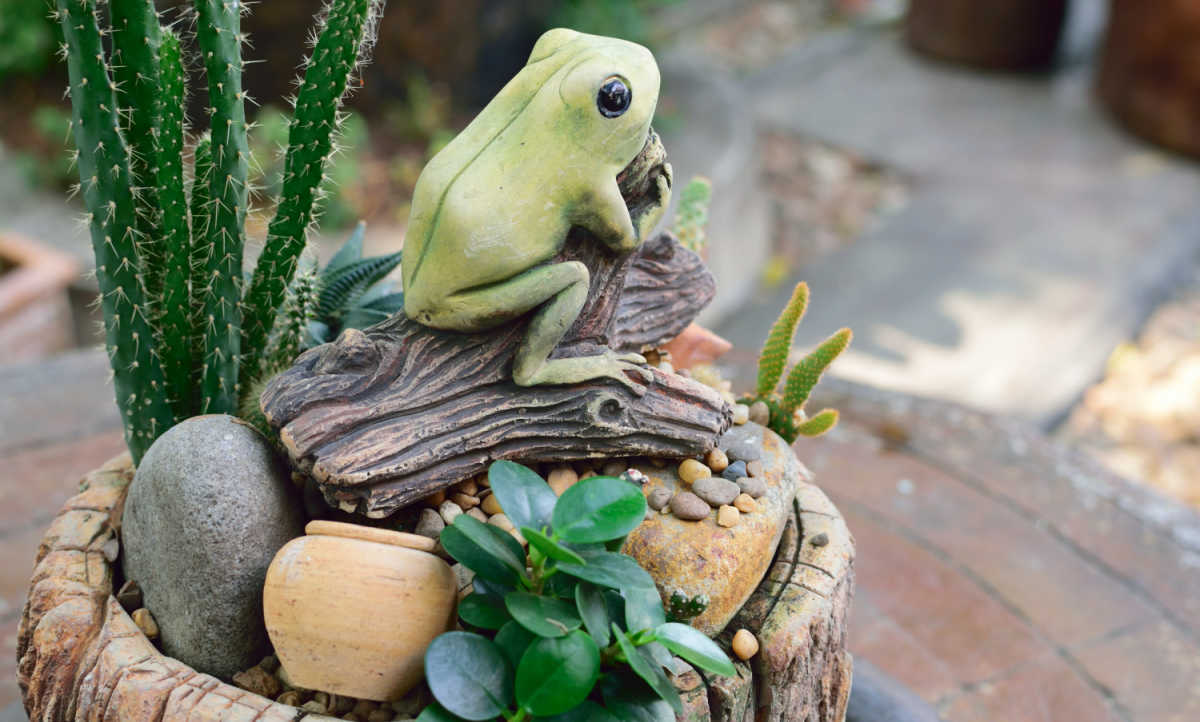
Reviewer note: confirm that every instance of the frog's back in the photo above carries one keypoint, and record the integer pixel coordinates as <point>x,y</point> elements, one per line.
<point>438,180</point>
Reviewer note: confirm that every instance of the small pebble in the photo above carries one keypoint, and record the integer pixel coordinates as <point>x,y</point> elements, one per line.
<point>502,521</point>
<point>465,501</point>
<point>145,621</point>
<point>819,540</point>
<point>715,491</point>
<point>430,524</point>
<point>478,514</point>
<point>562,478</point>
<point>462,576</point>
<point>364,707</point>
<point>449,511</point>
<point>314,706</point>
<point>688,506</point>
<point>716,460</point>
<point>483,481</point>
<point>130,596</point>
<point>491,505</point>
<point>292,698</point>
<point>435,499</point>
<point>745,503</point>
<point>258,681</point>
<point>111,550</point>
<point>380,715</point>
<point>658,498</point>
<point>614,468</point>
<point>741,414</point>
<point>755,486</point>
<point>658,463</point>
<point>469,487</point>
<point>339,704</point>
<point>735,471</point>
<point>728,516</point>
<point>516,534</point>
<point>270,663</point>
<point>587,474</point>
<point>322,698</point>
<point>759,413</point>
<point>754,468</point>
<point>745,644</point>
<point>690,470</point>
<point>635,476</point>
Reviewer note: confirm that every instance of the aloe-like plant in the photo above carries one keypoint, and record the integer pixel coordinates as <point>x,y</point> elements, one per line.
<point>787,416</point>
<point>691,219</point>
<point>571,629</point>
<point>169,267</point>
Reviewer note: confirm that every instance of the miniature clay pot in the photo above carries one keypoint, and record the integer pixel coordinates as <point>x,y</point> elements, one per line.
<point>351,609</point>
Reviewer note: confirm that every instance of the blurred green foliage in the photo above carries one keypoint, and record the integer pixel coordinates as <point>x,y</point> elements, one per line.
<point>28,37</point>
<point>628,19</point>
<point>44,161</point>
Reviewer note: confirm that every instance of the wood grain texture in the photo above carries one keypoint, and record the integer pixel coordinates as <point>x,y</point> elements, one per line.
<point>385,416</point>
<point>81,657</point>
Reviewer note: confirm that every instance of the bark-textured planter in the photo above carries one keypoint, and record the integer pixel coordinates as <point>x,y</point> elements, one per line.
<point>994,34</point>
<point>35,312</point>
<point>81,657</point>
<point>1150,70</point>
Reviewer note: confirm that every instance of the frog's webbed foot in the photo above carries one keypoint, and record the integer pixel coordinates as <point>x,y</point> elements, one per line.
<point>579,369</point>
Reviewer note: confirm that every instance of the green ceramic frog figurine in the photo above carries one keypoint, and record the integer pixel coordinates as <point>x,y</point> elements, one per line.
<point>492,210</point>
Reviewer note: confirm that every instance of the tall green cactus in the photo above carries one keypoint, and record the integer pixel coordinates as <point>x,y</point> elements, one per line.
<point>310,142</point>
<point>171,290</point>
<point>107,189</point>
<point>787,411</point>
<point>135,44</point>
<point>218,32</point>
<point>175,318</point>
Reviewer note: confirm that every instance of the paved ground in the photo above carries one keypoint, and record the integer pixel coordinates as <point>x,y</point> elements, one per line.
<point>1036,237</point>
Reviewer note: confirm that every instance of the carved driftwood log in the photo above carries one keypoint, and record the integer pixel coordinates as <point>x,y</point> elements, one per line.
<point>383,417</point>
<point>81,657</point>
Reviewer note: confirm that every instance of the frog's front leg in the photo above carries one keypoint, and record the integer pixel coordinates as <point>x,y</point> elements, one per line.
<point>560,290</point>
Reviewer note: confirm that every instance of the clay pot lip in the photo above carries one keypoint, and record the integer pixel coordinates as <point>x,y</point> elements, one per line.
<point>322,527</point>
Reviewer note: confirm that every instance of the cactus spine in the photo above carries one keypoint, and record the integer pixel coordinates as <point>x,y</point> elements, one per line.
<point>135,43</point>
<point>107,189</point>
<point>787,411</point>
<point>219,35</point>
<point>310,141</point>
<point>170,289</point>
<point>175,318</point>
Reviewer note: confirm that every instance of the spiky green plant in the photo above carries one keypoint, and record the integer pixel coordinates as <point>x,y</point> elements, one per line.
<point>170,268</point>
<point>692,216</point>
<point>787,409</point>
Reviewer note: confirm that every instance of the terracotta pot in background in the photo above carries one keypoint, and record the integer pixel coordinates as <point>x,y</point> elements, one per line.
<point>994,34</point>
<point>35,312</point>
<point>351,609</point>
<point>1150,70</point>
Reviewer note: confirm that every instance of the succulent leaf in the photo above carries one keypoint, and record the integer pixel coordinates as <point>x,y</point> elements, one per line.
<point>818,424</point>
<point>692,216</point>
<point>779,341</point>
<point>341,288</point>
<point>805,374</point>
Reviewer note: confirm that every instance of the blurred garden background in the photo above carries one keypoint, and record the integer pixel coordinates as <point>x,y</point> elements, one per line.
<point>1017,250</point>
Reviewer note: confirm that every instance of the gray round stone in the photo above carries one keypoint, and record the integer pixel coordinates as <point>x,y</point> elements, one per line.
<point>658,498</point>
<point>716,491</point>
<point>755,486</point>
<point>209,506</point>
<point>688,506</point>
<point>743,443</point>
<point>735,471</point>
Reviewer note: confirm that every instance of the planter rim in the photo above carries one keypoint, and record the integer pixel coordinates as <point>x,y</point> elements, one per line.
<point>321,527</point>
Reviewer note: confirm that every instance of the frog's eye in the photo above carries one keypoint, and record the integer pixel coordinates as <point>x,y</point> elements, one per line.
<point>614,98</point>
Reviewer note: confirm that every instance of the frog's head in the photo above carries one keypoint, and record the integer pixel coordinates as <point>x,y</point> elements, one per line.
<point>608,88</point>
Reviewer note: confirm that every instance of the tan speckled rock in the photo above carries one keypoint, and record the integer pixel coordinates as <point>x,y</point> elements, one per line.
<point>700,557</point>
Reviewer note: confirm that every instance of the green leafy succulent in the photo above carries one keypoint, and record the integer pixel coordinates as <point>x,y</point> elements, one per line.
<point>568,631</point>
<point>787,409</point>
